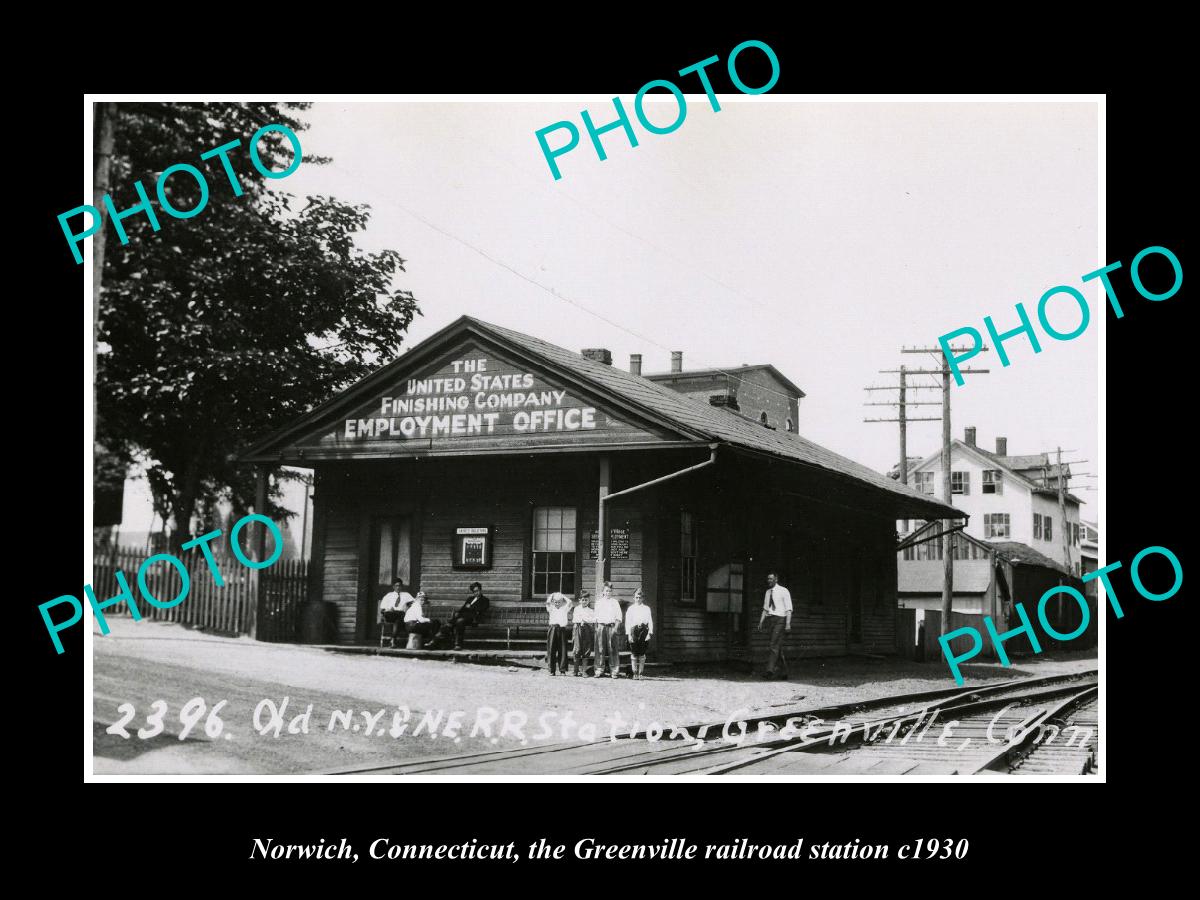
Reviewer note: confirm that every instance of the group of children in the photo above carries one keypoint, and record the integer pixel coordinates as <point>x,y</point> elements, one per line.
<point>594,630</point>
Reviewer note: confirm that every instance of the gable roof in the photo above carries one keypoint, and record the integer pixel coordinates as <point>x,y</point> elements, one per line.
<point>689,417</point>
<point>991,459</point>
<point>1023,554</point>
<point>731,372</point>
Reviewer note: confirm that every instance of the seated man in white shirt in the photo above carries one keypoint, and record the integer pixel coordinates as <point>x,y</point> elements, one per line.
<point>415,620</point>
<point>391,611</point>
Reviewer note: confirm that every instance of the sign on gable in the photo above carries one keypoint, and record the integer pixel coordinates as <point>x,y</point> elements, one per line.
<point>475,398</point>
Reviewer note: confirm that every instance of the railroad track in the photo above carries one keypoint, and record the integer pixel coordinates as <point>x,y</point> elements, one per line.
<point>1064,742</point>
<point>992,729</point>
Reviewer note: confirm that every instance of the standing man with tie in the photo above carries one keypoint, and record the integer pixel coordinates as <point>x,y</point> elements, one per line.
<point>777,606</point>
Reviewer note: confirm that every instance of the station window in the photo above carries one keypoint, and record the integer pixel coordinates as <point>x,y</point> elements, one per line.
<point>553,550</point>
<point>995,525</point>
<point>993,481</point>
<point>687,557</point>
<point>960,482</point>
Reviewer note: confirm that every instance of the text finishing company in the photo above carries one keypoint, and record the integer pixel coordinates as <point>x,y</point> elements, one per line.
<point>475,402</point>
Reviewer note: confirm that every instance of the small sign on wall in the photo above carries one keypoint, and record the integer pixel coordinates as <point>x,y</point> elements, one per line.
<point>618,544</point>
<point>472,546</point>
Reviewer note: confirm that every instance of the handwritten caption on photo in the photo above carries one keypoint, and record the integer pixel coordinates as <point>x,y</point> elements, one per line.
<point>272,720</point>
<point>126,595</point>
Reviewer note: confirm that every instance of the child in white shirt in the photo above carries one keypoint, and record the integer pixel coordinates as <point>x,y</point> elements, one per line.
<point>639,627</point>
<point>558,606</point>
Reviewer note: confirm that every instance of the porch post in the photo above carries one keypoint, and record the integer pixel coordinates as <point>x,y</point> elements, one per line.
<point>255,617</point>
<point>602,527</point>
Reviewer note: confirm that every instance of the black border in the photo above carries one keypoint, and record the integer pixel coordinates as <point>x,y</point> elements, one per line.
<point>162,831</point>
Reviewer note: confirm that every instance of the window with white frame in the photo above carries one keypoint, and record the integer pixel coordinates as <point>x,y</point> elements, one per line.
<point>553,550</point>
<point>923,482</point>
<point>995,525</point>
<point>960,482</point>
<point>993,481</point>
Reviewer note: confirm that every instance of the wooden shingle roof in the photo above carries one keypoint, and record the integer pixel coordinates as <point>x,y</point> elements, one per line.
<point>714,422</point>
<point>692,419</point>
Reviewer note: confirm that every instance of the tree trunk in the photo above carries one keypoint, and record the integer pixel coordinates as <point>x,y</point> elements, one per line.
<point>183,504</point>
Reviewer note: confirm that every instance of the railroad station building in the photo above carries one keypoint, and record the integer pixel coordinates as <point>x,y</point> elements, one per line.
<point>486,454</point>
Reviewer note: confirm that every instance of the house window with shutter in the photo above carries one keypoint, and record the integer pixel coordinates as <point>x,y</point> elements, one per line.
<point>1037,526</point>
<point>1048,527</point>
<point>960,482</point>
<point>993,481</point>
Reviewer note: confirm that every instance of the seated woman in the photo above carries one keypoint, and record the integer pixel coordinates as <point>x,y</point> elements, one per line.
<point>415,620</point>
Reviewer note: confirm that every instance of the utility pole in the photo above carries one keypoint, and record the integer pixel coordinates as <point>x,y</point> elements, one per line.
<point>104,468</point>
<point>903,429</point>
<point>904,418</point>
<point>947,537</point>
<point>103,133</point>
<point>1062,511</point>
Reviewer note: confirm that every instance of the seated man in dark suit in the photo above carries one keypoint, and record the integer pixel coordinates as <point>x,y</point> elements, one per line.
<point>469,614</point>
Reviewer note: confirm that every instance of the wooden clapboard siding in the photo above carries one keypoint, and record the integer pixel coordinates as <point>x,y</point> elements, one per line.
<point>819,632</point>
<point>625,574</point>
<point>341,562</point>
<point>474,501</point>
<point>822,551</point>
<point>690,633</point>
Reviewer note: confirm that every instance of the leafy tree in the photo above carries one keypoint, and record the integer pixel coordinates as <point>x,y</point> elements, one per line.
<point>224,326</point>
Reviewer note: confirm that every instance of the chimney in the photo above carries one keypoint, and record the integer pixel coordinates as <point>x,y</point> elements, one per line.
<point>599,354</point>
<point>635,363</point>
<point>676,360</point>
<point>1002,446</point>
<point>727,400</point>
<point>970,435</point>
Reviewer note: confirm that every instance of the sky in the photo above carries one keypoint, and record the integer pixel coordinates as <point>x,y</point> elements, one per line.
<point>819,237</point>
